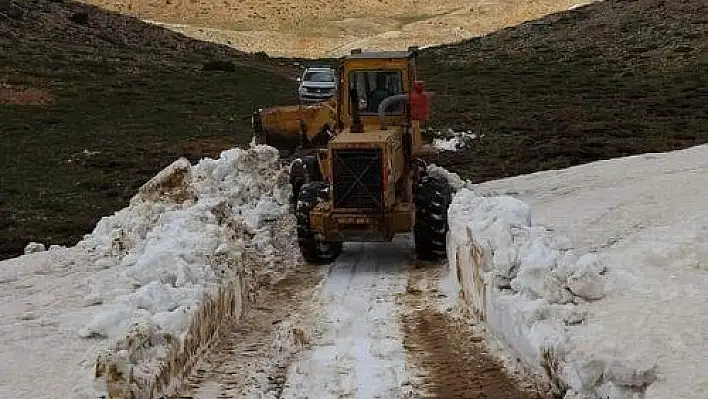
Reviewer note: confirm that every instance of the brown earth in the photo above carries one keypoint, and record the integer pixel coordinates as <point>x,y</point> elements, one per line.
<point>24,95</point>
<point>244,356</point>
<point>453,359</point>
<point>312,28</point>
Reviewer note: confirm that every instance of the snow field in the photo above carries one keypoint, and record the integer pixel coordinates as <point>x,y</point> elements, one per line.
<point>147,289</point>
<point>648,215</point>
<point>530,288</point>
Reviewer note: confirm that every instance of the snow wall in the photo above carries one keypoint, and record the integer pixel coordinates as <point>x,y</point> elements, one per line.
<point>195,246</point>
<point>528,286</point>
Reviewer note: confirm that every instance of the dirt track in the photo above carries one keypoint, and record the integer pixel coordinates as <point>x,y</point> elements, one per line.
<point>452,358</point>
<point>364,331</point>
<point>247,358</point>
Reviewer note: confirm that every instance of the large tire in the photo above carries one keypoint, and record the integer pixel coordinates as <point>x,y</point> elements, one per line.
<point>303,170</point>
<point>312,247</point>
<point>433,195</point>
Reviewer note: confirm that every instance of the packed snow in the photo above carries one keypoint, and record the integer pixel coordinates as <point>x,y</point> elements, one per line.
<point>357,340</point>
<point>148,267</point>
<point>611,285</point>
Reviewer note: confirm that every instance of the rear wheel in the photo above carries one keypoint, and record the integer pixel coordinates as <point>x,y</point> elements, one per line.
<point>314,248</point>
<point>432,200</point>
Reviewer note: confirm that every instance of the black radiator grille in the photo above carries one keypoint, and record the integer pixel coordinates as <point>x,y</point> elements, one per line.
<point>358,178</point>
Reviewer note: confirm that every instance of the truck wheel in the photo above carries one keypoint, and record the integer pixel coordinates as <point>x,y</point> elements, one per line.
<point>432,199</point>
<point>313,248</point>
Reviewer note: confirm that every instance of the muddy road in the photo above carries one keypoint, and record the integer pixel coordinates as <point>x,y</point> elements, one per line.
<point>370,325</point>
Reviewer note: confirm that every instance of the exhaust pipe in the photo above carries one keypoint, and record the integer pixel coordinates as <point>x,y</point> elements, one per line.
<point>385,103</point>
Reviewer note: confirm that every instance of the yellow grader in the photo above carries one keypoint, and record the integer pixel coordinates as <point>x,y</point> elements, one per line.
<point>364,180</point>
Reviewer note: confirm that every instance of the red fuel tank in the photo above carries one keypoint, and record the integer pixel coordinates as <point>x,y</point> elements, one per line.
<point>420,102</point>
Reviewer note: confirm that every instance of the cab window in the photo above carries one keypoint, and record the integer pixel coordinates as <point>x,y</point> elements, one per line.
<point>369,88</point>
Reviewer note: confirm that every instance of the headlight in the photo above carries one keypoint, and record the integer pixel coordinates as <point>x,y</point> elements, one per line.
<point>303,90</point>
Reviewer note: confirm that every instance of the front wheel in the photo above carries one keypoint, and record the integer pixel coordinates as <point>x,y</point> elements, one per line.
<point>303,170</point>
<point>313,247</point>
<point>257,129</point>
<point>432,200</point>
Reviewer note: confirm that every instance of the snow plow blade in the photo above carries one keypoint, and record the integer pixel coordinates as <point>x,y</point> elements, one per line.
<point>290,127</point>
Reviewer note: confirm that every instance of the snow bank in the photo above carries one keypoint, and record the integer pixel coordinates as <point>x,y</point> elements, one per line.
<point>648,215</point>
<point>34,247</point>
<point>529,287</point>
<point>190,251</point>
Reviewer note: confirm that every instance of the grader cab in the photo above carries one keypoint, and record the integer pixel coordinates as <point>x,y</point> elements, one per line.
<point>368,183</point>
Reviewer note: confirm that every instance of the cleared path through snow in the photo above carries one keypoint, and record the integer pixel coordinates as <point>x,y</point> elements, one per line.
<point>250,357</point>
<point>361,332</point>
<point>358,348</point>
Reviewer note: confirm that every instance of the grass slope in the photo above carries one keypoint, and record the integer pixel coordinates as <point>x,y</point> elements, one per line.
<point>611,79</point>
<point>134,93</point>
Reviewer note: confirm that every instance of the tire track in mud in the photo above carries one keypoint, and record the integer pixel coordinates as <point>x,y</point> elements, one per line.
<point>251,356</point>
<point>452,361</point>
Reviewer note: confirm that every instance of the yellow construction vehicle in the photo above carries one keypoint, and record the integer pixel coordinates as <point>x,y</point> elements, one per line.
<point>367,183</point>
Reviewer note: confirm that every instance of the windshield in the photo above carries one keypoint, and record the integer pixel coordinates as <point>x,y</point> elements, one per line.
<point>319,76</point>
<point>368,88</point>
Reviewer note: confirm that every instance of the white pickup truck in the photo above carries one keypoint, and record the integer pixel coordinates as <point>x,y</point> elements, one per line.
<point>317,84</point>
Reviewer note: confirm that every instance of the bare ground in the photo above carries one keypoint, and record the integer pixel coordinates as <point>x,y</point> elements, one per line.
<point>312,28</point>
<point>452,359</point>
<point>248,356</point>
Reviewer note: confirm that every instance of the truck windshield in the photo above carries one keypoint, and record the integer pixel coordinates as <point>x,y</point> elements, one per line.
<point>319,76</point>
